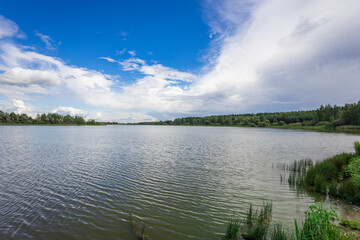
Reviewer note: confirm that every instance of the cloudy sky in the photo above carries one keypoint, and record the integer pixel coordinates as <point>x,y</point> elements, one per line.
<point>132,61</point>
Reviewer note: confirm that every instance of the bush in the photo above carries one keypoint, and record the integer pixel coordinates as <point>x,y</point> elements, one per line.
<point>318,224</point>
<point>348,191</point>
<point>281,123</point>
<point>354,170</point>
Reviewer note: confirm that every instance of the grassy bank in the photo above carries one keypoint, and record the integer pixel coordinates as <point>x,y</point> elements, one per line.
<point>338,176</point>
<point>318,225</point>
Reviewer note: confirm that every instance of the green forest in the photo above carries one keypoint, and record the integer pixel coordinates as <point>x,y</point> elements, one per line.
<point>328,116</point>
<point>50,118</point>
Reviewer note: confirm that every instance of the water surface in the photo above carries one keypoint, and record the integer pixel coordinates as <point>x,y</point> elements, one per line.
<point>68,182</point>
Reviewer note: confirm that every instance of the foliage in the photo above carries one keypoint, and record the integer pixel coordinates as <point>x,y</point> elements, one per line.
<point>323,117</point>
<point>318,224</point>
<point>50,118</point>
<point>339,174</point>
<point>354,170</point>
<point>349,191</point>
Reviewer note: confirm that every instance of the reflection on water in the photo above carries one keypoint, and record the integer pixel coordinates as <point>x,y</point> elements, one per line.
<point>182,182</point>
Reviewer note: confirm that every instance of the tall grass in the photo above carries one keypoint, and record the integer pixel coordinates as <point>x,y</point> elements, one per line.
<point>257,222</point>
<point>232,229</point>
<point>279,233</point>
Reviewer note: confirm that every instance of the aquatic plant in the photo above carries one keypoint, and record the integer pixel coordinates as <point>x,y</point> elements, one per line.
<point>139,235</point>
<point>232,229</point>
<point>257,223</point>
<point>279,233</point>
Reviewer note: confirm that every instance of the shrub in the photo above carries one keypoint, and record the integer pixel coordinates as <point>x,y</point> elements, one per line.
<point>281,123</point>
<point>318,224</point>
<point>354,170</point>
<point>348,191</point>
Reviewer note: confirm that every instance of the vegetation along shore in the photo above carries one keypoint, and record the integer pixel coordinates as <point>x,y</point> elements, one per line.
<point>338,176</point>
<point>345,117</point>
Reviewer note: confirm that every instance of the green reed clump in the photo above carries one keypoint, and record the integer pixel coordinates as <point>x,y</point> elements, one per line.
<point>257,223</point>
<point>296,172</point>
<point>232,230</point>
<point>333,174</point>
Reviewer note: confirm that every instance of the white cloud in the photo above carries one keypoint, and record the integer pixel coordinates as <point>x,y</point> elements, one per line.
<point>70,111</point>
<point>21,76</point>
<point>108,59</point>
<point>120,52</point>
<point>132,53</point>
<point>49,42</point>
<point>285,52</point>
<point>9,29</point>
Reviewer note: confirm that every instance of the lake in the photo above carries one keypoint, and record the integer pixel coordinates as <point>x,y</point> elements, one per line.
<point>69,182</point>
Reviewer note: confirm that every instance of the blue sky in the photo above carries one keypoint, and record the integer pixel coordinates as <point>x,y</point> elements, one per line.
<point>132,61</point>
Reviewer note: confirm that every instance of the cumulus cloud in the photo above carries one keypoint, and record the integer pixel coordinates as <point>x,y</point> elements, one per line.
<point>69,111</point>
<point>292,53</point>
<point>21,76</point>
<point>17,106</point>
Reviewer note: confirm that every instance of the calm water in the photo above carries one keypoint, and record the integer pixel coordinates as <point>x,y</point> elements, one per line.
<point>182,182</point>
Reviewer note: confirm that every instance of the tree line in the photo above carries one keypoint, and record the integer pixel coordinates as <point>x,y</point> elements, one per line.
<point>328,116</point>
<point>50,118</point>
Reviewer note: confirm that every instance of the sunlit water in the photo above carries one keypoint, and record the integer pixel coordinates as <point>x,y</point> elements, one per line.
<point>181,182</point>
